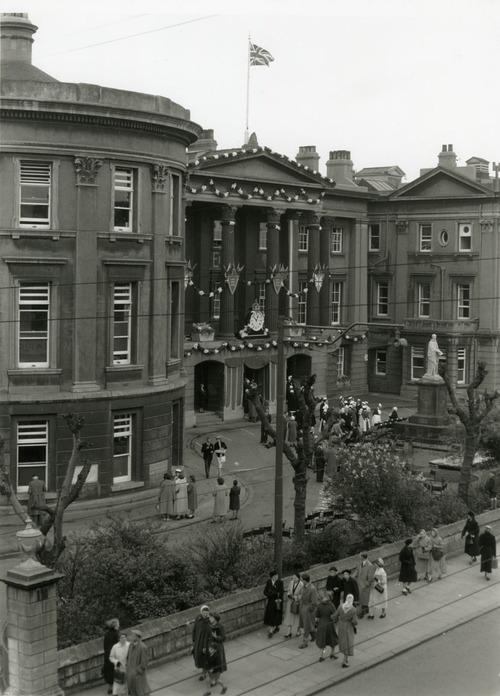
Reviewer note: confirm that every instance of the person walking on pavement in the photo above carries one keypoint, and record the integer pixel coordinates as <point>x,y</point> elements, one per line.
<point>217,654</point>
<point>422,547</point>
<point>378,590</point>
<point>36,499</point>
<point>220,449</point>
<point>118,656</point>
<point>471,534</point>
<point>166,497</point>
<point>202,635</point>
<point>491,489</point>
<point>488,550</point>
<point>137,663</point>
<point>307,607</point>
<point>407,573</point>
<point>326,635</point>
<point>273,614</point>
<point>349,586</point>
<point>111,637</point>
<point>192,496</point>
<point>181,496</point>
<point>207,452</point>
<point>364,577</point>
<point>334,586</point>
<point>263,431</point>
<point>221,500</point>
<point>437,561</point>
<point>346,619</point>
<point>292,606</point>
<point>234,500</point>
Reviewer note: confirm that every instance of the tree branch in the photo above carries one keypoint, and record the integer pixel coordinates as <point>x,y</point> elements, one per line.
<point>460,412</point>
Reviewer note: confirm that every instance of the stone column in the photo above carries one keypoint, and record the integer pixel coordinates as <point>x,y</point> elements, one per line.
<point>452,359</point>
<point>273,260</point>
<point>228,222</point>
<point>313,258</point>
<point>32,630</point>
<point>357,279</point>
<point>324,254</point>
<point>159,291</point>
<point>85,303</point>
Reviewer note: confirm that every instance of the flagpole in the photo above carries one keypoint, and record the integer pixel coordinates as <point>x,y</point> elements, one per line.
<point>248,91</point>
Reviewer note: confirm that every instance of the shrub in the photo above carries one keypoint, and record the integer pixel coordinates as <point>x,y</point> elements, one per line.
<point>383,528</point>
<point>338,540</point>
<point>490,432</point>
<point>449,508</point>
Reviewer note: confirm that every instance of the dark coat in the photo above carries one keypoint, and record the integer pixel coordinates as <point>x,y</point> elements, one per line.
<point>408,572</point>
<point>111,636</point>
<point>471,534</point>
<point>335,585</point>
<point>273,615</point>
<point>207,451</point>
<point>202,634</point>
<point>234,498</point>
<point>350,587</point>
<point>325,630</point>
<point>217,654</point>
<point>192,496</point>
<point>488,548</point>
<point>137,662</point>
<point>36,496</point>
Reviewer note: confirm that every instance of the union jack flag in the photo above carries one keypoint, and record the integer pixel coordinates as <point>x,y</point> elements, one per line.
<point>259,56</point>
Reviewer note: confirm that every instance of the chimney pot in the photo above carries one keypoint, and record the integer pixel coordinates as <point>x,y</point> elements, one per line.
<point>443,148</point>
<point>450,148</point>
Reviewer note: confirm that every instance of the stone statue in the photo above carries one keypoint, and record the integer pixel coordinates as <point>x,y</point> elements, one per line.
<point>433,354</point>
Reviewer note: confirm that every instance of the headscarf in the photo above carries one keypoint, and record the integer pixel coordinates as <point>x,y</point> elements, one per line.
<point>349,600</point>
<point>204,607</point>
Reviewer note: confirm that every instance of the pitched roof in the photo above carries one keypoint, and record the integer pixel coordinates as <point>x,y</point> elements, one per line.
<point>392,170</point>
<point>468,184</point>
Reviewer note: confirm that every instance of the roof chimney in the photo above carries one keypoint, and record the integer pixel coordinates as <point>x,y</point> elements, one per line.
<point>205,143</point>
<point>339,167</point>
<point>16,37</point>
<point>447,158</point>
<point>308,157</point>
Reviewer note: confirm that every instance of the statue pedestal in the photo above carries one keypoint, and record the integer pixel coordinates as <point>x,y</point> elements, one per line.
<point>431,419</point>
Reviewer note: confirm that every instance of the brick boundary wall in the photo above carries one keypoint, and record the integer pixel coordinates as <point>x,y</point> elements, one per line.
<point>169,637</point>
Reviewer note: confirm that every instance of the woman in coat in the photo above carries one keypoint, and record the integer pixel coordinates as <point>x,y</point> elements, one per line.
<point>181,496</point>
<point>376,597</point>
<point>291,620</point>
<point>347,621</point>
<point>471,534</point>
<point>111,636</point>
<point>234,500</point>
<point>407,573</point>
<point>488,550</point>
<point>137,662</point>
<point>202,635</point>
<point>217,654</point>
<point>326,635</point>
<point>192,496</point>
<point>166,497</point>
<point>118,656</point>
<point>273,614</point>
<point>308,601</point>
<point>221,500</point>
<point>422,549</point>
<point>437,561</point>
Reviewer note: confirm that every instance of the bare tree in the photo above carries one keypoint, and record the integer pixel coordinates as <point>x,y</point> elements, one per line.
<point>471,414</point>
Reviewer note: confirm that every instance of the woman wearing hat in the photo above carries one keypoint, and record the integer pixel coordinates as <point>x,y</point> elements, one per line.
<point>488,550</point>
<point>407,573</point>
<point>202,635</point>
<point>471,534</point>
<point>378,590</point>
<point>137,662</point>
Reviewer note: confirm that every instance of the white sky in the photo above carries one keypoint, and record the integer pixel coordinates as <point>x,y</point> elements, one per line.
<point>390,80</point>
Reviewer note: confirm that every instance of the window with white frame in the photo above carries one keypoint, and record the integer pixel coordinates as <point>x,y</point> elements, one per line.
<point>425,237</point>
<point>175,299</point>
<point>463,300</point>
<point>33,323</point>
<point>122,323</point>
<point>175,205</point>
<point>374,237</point>
<point>336,301</point>
<point>424,299</point>
<point>302,303</point>
<point>123,203</point>
<point>261,296</point>
<point>461,365</point>
<point>303,238</point>
<point>263,236</point>
<point>382,298</point>
<point>465,237</point>
<point>32,452</point>
<point>122,447</point>
<point>217,244</point>
<point>380,362</point>
<point>340,362</point>
<point>336,240</point>
<point>417,363</point>
<point>34,194</point>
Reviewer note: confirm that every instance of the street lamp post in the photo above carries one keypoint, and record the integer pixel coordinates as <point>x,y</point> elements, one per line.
<point>280,436</point>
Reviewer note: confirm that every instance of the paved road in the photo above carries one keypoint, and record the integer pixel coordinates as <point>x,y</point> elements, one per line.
<point>461,662</point>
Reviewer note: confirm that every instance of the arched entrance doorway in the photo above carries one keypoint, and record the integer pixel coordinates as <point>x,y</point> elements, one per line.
<point>256,369</point>
<point>299,366</point>
<point>209,386</point>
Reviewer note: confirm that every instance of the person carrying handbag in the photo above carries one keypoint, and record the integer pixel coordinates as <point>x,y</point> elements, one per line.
<point>291,620</point>
<point>437,561</point>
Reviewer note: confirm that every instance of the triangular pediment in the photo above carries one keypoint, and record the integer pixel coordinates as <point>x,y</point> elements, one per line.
<point>441,183</point>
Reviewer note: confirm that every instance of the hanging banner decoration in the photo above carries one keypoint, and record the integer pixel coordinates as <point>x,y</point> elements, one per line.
<point>318,276</point>
<point>232,276</point>
<point>188,274</point>
<point>278,275</point>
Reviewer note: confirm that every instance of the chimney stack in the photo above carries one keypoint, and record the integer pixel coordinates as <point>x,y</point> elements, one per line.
<point>339,167</point>
<point>205,143</point>
<point>308,157</point>
<point>16,37</point>
<point>447,158</point>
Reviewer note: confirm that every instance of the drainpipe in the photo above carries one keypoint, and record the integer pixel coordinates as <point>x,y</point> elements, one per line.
<point>441,288</point>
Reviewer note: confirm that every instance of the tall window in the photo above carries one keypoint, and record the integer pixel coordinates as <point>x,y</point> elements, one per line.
<point>336,240</point>
<point>175,204</point>
<point>33,323</point>
<point>424,299</point>
<point>261,297</point>
<point>122,323</point>
<point>217,244</point>
<point>382,302</point>
<point>373,237</point>
<point>465,237</point>
<point>122,447</point>
<point>417,363</point>
<point>262,236</point>
<point>380,362</point>
<point>175,298</point>
<point>215,302</point>
<point>461,365</point>
<point>34,194</point>
<point>303,238</point>
<point>335,302</point>
<point>302,303</point>
<point>32,452</point>
<point>123,205</point>
<point>463,301</point>
<point>425,237</point>
<point>340,362</point>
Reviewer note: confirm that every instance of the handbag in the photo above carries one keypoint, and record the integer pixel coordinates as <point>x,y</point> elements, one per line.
<point>437,554</point>
<point>294,606</point>
<point>380,588</point>
<point>494,563</point>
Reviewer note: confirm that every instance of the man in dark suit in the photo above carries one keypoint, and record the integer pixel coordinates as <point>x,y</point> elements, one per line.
<point>207,452</point>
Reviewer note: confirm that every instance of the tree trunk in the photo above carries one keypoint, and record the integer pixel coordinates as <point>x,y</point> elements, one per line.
<point>471,444</point>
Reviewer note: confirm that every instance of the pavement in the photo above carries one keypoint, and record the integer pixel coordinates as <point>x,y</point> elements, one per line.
<point>277,667</point>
